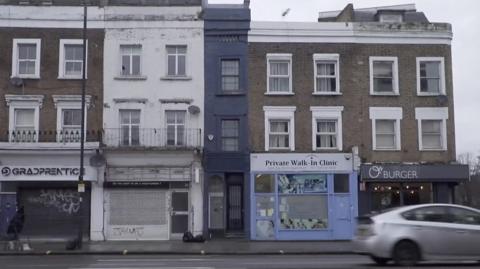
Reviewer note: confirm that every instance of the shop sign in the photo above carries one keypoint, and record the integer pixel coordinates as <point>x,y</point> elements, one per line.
<point>301,162</point>
<point>145,184</point>
<point>415,172</point>
<point>33,173</point>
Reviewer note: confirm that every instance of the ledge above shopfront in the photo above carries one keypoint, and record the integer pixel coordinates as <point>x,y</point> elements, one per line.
<point>414,172</point>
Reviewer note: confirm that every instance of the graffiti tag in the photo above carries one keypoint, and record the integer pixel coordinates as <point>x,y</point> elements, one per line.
<point>65,201</point>
<point>122,231</point>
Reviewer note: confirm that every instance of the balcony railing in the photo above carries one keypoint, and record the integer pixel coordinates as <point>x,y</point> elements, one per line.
<point>55,136</point>
<point>169,138</point>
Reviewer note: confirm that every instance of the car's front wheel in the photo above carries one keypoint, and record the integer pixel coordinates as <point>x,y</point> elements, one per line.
<point>406,253</point>
<point>380,261</point>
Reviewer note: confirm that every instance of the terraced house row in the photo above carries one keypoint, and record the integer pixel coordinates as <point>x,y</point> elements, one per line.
<point>199,119</point>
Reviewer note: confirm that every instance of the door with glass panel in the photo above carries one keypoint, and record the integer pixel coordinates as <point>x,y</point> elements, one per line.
<point>264,206</point>
<point>176,135</point>
<point>24,126</point>
<point>179,213</point>
<point>129,127</point>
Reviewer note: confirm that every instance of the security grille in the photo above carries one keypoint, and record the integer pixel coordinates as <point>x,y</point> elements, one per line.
<point>138,207</point>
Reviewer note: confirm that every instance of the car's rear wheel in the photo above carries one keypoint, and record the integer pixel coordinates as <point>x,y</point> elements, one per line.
<point>380,261</point>
<point>406,253</point>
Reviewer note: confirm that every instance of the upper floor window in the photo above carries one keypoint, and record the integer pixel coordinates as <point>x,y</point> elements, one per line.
<point>279,128</point>
<point>24,117</point>
<point>386,127</point>
<point>432,127</point>
<point>230,75</point>
<point>130,127</point>
<point>279,74</point>
<point>175,127</point>
<point>430,76</point>
<point>69,116</point>
<point>71,58</point>
<point>384,76</point>
<point>326,69</point>
<point>176,60</point>
<point>230,135</point>
<point>26,58</point>
<point>327,127</point>
<point>131,60</point>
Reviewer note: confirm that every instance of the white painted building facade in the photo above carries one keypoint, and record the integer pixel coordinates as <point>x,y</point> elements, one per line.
<point>153,123</point>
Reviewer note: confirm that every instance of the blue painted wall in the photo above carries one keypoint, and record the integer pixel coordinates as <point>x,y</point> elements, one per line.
<point>226,37</point>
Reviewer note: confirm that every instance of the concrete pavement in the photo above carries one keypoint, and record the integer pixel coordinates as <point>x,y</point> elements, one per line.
<point>171,247</point>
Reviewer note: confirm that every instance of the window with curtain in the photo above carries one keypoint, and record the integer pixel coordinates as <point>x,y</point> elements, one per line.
<point>130,127</point>
<point>383,76</point>
<point>24,120</point>
<point>385,134</point>
<point>230,135</point>
<point>71,125</point>
<point>73,62</point>
<point>176,60</point>
<point>279,76</point>
<point>131,60</point>
<point>279,134</point>
<point>27,58</point>
<point>432,134</point>
<point>430,77</point>
<point>326,137</point>
<point>230,75</point>
<point>326,77</point>
<point>175,128</point>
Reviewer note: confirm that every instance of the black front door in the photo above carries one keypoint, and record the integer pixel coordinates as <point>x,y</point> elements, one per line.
<point>234,207</point>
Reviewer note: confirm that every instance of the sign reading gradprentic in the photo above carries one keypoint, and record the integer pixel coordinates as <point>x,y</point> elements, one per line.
<point>333,162</point>
<point>34,173</point>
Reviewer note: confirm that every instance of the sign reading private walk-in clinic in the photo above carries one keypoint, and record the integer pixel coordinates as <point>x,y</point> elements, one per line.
<point>34,173</point>
<point>301,162</point>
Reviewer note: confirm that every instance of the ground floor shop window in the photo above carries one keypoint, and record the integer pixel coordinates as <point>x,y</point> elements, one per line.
<point>388,195</point>
<point>303,212</point>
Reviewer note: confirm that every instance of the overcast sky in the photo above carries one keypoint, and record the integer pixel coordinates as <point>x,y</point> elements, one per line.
<point>462,14</point>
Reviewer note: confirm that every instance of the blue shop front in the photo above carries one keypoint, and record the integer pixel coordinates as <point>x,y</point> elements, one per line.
<point>298,196</point>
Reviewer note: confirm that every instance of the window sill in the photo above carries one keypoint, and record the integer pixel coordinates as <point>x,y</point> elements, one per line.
<point>327,93</point>
<point>25,77</point>
<point>433,150</point>
<point>385,94</point>
<point>71,78</point>
<point>279,94</point>
<point>130,78</point>
<point>280,149</point>
<point>232,93</point>
<point>387,150</point>
<point>327,149</point>
<point>176,78</point>
<point>431,94</point>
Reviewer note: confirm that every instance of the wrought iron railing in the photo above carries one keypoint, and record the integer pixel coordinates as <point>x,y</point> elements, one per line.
<point>54,136</point>
<point>173,138</point>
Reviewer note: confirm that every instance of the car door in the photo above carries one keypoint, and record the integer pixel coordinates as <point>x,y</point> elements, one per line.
<point>466,225</point>
<point>426,225</point>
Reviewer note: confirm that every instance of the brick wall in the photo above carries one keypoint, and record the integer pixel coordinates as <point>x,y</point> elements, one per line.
<point>356,98</point>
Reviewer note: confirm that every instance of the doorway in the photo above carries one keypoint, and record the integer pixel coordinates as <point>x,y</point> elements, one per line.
<point>235,210</point>
<point>179,213</point>
<point>8,208</point>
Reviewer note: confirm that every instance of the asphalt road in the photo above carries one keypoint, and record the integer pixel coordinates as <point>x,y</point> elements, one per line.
<point>202,262</point>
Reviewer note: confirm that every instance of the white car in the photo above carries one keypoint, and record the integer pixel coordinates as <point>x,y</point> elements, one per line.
<point>414,233</point>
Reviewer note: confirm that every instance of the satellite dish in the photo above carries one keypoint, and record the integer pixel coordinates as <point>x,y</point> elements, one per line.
<point>97,160</point>
<point>193,109</point>
<point>16,81</point>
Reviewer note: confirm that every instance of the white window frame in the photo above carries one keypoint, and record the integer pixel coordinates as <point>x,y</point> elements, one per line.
<point>441,60</point>
<point>280,113</point>
<point>121,54</point>
<point>176,127</point>
<point>62,62</point>
<point>432,113</point>
<point>34,102</point>
<point>120,127</point>
<point>176,54</point>
<point>327,113</point>
<point>320,57</point>
<point>279,57</point>
<point>386,113</point>
<point>63,102</point>
<point>15,56</point>
<point>395,90</point>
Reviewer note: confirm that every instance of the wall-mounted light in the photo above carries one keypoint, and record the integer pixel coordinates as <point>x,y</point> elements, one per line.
<point>197,175</point>
<point>210,137</point>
